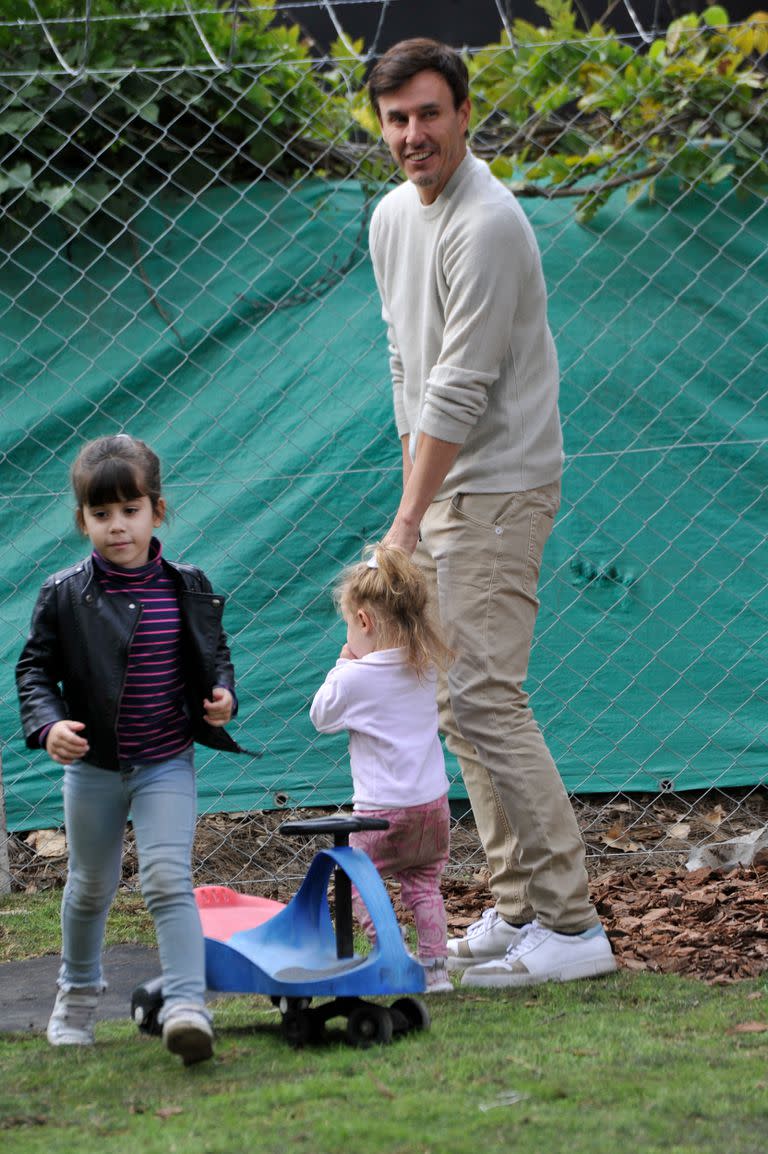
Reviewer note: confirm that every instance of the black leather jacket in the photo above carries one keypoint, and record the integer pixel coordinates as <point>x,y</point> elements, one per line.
<point>73,664</point>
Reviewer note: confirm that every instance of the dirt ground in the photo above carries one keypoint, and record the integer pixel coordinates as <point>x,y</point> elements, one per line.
<point>709,922</point>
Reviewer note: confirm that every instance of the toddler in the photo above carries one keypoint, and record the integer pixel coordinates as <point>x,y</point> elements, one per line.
<point>382,690</point>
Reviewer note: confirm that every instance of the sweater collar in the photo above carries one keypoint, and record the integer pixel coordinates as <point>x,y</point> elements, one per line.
<point>136,576</point>
<point>430,211</point>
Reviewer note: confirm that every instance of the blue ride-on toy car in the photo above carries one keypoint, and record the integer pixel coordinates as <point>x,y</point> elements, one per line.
<point>298,952</point>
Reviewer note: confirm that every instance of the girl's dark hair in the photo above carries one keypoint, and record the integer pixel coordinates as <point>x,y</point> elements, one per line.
<point>393,589</point>
<point>118,468</point>
<point>403,61</point>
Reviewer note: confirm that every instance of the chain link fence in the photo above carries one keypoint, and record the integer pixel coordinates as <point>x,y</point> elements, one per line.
<point>184,256</point>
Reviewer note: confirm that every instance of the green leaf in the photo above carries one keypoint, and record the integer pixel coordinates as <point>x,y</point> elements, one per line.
<point>150,111</point>
<point>553,98</point>
<point>635,191</point>
<point>55,196</point>
<point>18,177</point>
<point>587,209</point>
<point>751,139</point>
<point>502,167</point>
<point>19,123</point>
<point>715,16</point>
<point>721,173</point>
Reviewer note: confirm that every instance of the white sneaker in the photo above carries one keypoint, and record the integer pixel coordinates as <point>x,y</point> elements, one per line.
<point>546,956</point>
<point>490,937</point>
<point>436,974</point>
<point>187,1031</point>
<point>73,1017</point>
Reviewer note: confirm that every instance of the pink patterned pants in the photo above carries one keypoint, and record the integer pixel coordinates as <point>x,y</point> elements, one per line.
<point>413,851</point>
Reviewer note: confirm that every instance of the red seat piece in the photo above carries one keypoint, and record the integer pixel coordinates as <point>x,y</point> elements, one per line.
<point>224,912</point>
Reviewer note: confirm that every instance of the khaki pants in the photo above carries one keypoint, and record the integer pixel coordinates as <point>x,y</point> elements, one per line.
<point>482,554</point>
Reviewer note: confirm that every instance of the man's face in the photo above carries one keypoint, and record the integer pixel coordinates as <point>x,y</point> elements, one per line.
<point>424,132</point>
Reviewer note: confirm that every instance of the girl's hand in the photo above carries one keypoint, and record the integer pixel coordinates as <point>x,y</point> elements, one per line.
<point>64,743</point>
<point>347,654</point>
<point>219,710</point>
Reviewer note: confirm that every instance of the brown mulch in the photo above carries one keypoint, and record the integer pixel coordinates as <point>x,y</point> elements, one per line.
<point>704,923</point>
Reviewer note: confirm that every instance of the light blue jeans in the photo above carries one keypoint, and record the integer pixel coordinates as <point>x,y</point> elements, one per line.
<point>161,799</point>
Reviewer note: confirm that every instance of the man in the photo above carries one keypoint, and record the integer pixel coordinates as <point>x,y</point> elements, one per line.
<point>475,382</point>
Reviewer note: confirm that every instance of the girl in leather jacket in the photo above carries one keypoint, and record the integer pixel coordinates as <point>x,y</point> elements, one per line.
<point>125,666</point>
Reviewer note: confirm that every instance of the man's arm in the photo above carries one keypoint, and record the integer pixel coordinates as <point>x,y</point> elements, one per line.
<point>405,443</point>
<point>421,481</point>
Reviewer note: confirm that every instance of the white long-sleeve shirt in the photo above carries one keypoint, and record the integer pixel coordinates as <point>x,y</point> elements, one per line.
<point>395,752</point>
<point>472,358</point>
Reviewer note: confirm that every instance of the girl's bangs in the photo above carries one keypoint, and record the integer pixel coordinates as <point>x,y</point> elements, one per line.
<point>112,480</point>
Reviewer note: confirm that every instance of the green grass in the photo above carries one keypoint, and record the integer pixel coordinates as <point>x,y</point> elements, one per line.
<point>29,924</point>
<point>632,1063</point>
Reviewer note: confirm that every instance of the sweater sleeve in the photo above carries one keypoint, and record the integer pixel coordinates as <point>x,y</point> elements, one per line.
<point>329,710</point>
<point>396,371</point>
<point>485,261</point>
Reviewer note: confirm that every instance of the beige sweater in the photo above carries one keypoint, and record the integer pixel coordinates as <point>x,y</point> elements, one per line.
<point>471,355</point>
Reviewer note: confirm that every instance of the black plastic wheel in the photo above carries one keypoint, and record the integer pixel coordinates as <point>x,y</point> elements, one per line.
<point>302,1027</point>
<point>410,1014</point>
<point>296,1027</point>
<point>285,1003</point>
<point>146,1004</point>
<point>370,1025</point>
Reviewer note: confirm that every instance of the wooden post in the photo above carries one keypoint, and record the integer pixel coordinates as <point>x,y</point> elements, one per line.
<point>5,867</point>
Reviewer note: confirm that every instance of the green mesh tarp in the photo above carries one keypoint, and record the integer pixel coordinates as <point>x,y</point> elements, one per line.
<point>240,335</point>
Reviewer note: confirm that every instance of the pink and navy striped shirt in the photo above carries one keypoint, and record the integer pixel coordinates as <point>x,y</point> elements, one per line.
<point>152,723</point>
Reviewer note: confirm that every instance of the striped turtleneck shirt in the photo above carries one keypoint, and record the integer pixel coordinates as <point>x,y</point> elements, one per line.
<point>152,723</point>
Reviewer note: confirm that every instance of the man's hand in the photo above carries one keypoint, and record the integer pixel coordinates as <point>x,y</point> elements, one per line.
<point>64,743</point>
<point>421,482</point>
<point>219,710</point>
<point>402,535</point>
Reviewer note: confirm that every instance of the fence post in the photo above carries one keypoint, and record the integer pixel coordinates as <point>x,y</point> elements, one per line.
<point>5,867</point>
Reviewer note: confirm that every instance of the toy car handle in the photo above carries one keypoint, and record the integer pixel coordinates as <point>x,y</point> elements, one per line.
<point>341,826</point>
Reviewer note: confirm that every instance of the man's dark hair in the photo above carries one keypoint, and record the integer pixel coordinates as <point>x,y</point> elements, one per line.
<point>403,61</point>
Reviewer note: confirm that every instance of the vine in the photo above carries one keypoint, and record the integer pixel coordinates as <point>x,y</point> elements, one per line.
<point>104,108</point>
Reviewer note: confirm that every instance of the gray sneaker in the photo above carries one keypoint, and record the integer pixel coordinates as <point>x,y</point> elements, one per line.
<point>546,956</point>
<point>73,1017</point>
<point>488,938</point>
<point>187,1031</point>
